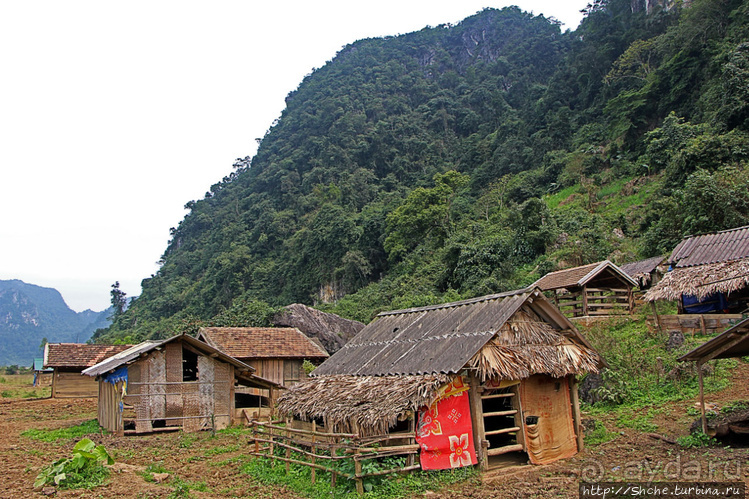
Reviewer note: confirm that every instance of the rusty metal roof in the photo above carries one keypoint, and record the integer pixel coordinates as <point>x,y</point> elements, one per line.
<point>642,267</point>
<point>434,339</point>
<point>585,274</point>
<point>734,342</point>
<point>715,247</point>
<point>262,342</point>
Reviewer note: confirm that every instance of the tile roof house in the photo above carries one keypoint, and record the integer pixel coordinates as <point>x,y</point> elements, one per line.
<point>276,353</point>
<point>709,272</point>
<point>68,360</point>
<point>599,288</point>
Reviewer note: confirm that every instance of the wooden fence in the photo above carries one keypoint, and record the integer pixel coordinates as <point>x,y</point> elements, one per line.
<point>694,323</point>
<point>595,301</point>
<point>330,452</point>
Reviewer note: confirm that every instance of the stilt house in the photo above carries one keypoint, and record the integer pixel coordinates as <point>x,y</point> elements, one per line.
<point>178,383</point>
<point>68,360</point>
<point>596,289</point>
<point>468,381</point>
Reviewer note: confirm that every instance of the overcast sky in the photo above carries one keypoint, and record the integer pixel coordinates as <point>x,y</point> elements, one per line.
<point>113,115</point>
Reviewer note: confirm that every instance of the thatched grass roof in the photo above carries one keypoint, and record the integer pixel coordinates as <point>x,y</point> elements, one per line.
<point>367,405</point>
<point>702,280</point>
<point>525,346</point>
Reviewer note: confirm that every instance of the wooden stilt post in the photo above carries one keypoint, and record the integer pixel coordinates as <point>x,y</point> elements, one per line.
<point>702,398</point>
<point>288,437</point>
<point>314,449</point>
<point>477,419</point>
<point>576,413</point>
<point>412,440</point>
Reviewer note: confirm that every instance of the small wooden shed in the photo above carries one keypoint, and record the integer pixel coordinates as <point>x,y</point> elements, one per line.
<point>68,360</point>
<point>276,353</point>
<point>177,383</point>
<point>470,380</point>
<point>596,289</point>
<point>710,273</point>
<point>42,375</point>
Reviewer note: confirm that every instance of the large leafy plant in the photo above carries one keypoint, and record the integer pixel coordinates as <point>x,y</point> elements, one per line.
<point>83,470</point>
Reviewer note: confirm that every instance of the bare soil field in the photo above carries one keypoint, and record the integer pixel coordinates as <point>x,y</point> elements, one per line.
<point>210,465</point>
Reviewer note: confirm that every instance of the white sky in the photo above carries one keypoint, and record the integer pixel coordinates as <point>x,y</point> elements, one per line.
<point>113,115</point>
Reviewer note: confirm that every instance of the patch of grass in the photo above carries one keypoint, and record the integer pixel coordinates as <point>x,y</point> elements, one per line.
<point>147,474</point>
<point>182,488</point>
<point>639,422</point>
<point>7,394</point>
<point>235,431</point>
<point>696,440</point>
<point>599,435</point>
<point>224,449</point>
<point>735,406</point>
<point>395,486</point>
<point>77,431</point>
<point>185,440</point>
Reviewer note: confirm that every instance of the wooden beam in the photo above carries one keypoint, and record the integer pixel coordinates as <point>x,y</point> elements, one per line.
<point>477,418</point>
<point>576,419</point>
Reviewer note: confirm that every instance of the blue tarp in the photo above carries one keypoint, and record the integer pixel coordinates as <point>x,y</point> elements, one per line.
<point>713,303</point>
<point>120,374</point>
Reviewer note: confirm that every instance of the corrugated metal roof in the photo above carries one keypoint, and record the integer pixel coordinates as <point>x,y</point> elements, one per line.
<point>579,276</point>
<point>434,339</point>
<point>262,342</point>
<point>715,247</point>
<point>733,342</point>
<point>642,267</point>
<point>136,351</point>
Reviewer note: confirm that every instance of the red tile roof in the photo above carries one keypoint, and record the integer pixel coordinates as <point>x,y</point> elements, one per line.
<point>79,354</point>
<point>723,246</point>
<point>262,342</point>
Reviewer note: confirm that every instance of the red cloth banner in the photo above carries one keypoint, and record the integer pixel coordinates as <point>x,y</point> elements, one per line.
<point>445,431</point>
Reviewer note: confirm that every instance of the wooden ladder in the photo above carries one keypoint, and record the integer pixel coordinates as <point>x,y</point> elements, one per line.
<point>515,429</point>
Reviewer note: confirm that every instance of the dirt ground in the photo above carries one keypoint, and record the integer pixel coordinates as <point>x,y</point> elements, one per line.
<point>214,461</point>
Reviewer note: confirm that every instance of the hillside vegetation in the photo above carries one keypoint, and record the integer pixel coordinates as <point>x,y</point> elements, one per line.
<point>468,159</point>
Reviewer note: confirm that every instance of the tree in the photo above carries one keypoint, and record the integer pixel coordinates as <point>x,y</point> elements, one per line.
<point>118,299</point>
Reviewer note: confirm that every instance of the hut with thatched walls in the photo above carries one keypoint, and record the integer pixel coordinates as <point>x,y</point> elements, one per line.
<point>469,380</point>
<point>177,383</point>
<point>68,360</point>
<point>596,289</point>
<point>710,273</point>
<point>276,353</point>
<point>645,272</point>
<point>732,343</point>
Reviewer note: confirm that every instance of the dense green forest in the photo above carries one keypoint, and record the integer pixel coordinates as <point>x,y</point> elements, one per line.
<point>468,159</point>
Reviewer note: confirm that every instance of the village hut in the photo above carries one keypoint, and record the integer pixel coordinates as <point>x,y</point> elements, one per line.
<point>276,353</point>
<point>42,375</point>
<point>645,272</point>
<point>596,289</point>
<point>177,383</point>
<point>68,360</point>
<point>732,343</point>
<point>468,380</point>
<point>710,273</point>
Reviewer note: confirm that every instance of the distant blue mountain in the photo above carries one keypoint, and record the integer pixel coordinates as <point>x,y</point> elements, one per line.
<point>29,313</point>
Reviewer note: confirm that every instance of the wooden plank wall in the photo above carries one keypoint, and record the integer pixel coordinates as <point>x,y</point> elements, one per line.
<point>695,323</point>
<point>73,385</point>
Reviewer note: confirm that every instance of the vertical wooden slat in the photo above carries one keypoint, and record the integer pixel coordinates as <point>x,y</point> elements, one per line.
<point>477,419</point>
<point>576,413</point>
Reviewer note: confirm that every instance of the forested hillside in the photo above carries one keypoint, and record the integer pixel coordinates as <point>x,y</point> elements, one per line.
<point>467,159</point>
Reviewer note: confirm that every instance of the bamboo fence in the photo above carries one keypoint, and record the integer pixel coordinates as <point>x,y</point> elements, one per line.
<point>330,452</point>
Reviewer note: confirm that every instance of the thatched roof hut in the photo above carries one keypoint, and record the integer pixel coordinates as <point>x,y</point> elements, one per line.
<point>401,362</point>
<point>705,266</point>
